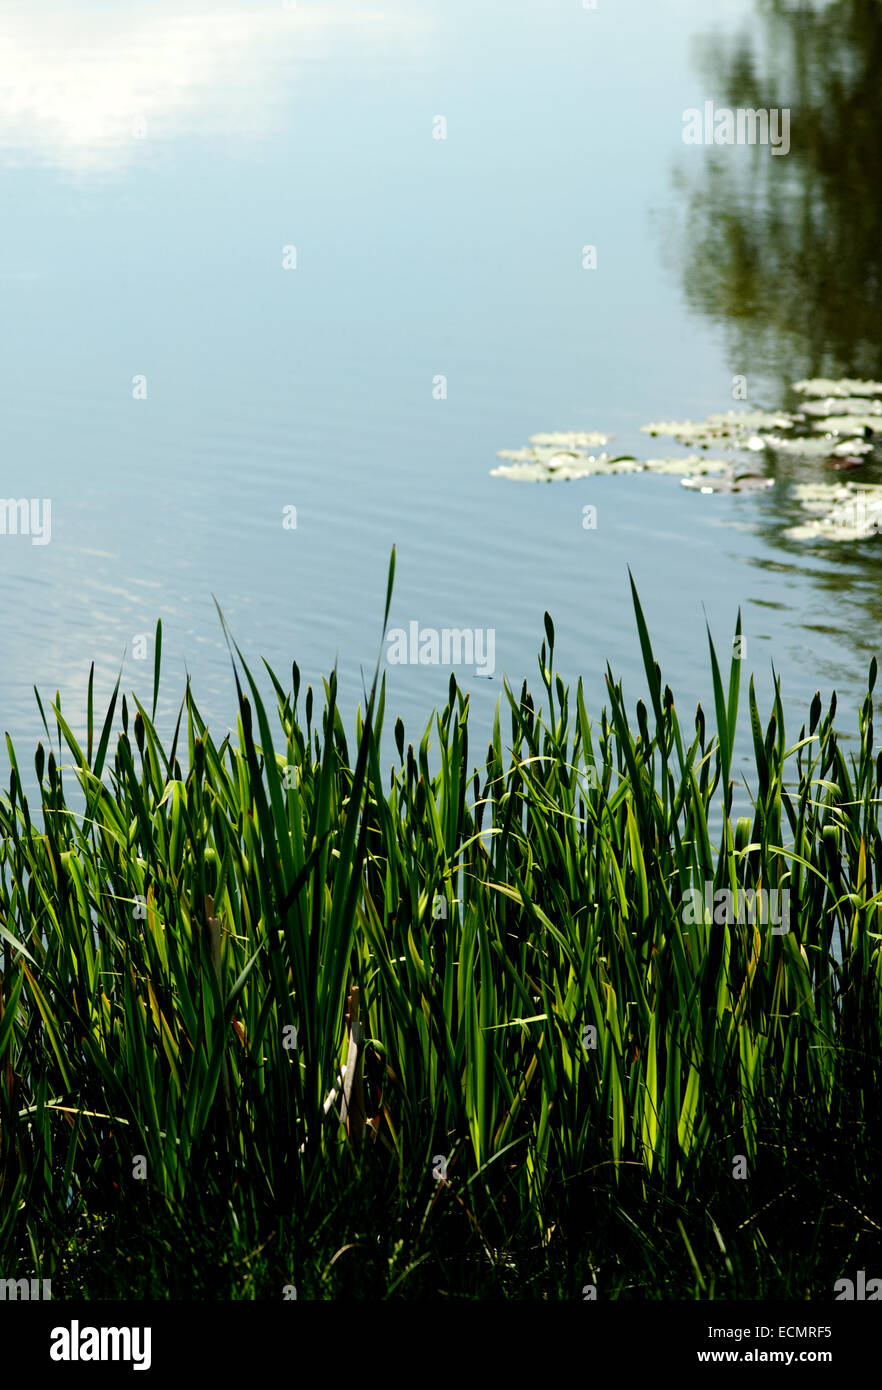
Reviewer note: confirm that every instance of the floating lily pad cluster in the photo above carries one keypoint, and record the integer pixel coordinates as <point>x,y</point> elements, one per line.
<point>564,456</point>
<point>734,428</point>
<point>561,456</point>
<point>821,386</point>
<point>842,405</point>
<point>731,482</point>
<point>823,448</point>
<point>836,423</point>
<point>840,512</point>
<point>842,416</point>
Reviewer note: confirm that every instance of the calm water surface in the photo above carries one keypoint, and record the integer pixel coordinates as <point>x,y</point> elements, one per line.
<point>157,161</point>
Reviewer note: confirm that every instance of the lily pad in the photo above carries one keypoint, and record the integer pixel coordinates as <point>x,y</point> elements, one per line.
<point>743,482</point>
<point>561,467</point>
<point>846,386</point>
<point>693,464</point>
<point>843,405</point>
<point>541,453</point>
<point>816,448</point>
<point>742,421</point>
<point>572,439</point>
<point>849,424</point>
<point>739,426</point>
<point>821,496</point>
<point>848,512</point>
<point>688,431</point>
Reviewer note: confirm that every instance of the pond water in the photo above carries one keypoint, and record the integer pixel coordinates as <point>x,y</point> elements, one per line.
<point>330,257</point>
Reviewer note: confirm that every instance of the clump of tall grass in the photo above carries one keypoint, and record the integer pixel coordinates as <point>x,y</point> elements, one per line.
<point>555,1072</point>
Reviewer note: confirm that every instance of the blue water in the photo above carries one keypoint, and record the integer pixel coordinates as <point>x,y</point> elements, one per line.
<point>156,161</point>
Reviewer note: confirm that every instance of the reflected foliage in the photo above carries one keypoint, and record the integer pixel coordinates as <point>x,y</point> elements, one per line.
<point>786,252</point>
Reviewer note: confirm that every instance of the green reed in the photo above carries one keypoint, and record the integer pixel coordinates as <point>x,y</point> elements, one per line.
<point>540,1011</point>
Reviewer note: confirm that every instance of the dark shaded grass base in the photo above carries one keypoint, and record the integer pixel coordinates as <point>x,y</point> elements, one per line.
<point>807,1217</point>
